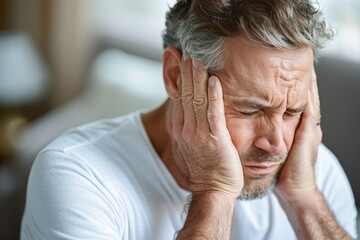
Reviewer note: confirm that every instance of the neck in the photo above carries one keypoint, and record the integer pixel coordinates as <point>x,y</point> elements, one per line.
<point>156,124</point>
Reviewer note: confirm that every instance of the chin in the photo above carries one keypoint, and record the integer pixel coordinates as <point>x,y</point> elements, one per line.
<point>257,186</point>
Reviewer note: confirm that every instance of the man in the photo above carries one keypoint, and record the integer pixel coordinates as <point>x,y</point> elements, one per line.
<point>235,152</point>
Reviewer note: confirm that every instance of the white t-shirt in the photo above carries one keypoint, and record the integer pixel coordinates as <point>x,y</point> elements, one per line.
<point>104,180</point>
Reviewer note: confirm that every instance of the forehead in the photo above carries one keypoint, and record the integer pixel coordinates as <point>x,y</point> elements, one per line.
<point>258,71</point>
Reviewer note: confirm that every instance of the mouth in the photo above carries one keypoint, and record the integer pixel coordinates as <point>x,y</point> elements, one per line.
<point>260,168</point>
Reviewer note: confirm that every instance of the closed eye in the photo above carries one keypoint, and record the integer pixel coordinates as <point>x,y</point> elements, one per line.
<point>249,114</point>
<point>294,112</point>
<point>288,114</point>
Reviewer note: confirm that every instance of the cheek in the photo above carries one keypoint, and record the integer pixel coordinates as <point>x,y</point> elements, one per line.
<point>242,132</point>
<point>289,129</point>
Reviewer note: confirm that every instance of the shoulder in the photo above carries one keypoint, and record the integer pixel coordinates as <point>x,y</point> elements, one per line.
<point>70,188</point>
<point>91,143</point>
<point>93,132</point>
<point>88,153</point>
<point>329,172</point>
<point>328,168</point>
<point>62,197</point>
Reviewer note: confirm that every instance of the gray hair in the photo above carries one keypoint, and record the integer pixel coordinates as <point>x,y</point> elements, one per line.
<point>199,28</point>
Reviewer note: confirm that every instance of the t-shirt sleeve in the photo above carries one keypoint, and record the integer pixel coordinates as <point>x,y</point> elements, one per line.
<point>65,200</point>
<point>334,185</point>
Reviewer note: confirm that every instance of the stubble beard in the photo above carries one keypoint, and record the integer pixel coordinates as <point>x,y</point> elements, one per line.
<point>259,186</point>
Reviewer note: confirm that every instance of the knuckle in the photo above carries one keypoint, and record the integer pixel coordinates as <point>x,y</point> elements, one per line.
<point>212,114</point>
<point>187,95</point>
<point>199,101</point>
<point>199,78</point>
<point>212,98</point>
<point>184,70</point>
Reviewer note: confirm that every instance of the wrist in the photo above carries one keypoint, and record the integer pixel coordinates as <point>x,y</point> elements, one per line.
<point>297,196</point>
<point>209,215</point>
<point>214,196</point>
<point>294,204</point>
<point>216,187</point>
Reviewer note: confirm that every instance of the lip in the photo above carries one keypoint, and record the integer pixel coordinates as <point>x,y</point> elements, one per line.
<point>260,168</point>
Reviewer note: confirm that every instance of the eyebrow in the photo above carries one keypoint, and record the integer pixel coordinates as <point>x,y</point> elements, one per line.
<point>253,104</point>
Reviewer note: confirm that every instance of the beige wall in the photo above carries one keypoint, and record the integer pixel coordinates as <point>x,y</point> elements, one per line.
<point>70,46</point>
<point>61,30</point>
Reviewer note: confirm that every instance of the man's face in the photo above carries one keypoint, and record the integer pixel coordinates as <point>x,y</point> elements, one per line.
<point>265,92</point>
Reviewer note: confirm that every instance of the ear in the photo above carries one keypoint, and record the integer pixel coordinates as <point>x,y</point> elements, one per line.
<point>171,70</point>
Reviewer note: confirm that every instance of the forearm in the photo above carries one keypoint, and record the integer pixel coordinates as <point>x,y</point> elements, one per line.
<point>209,217</point>
<point>311,218</point>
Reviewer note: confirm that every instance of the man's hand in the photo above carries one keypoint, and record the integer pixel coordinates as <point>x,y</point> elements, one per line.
<point>296,190</point>
<point>205,154</point>
<point>203,150</point>
<point>297,177</point>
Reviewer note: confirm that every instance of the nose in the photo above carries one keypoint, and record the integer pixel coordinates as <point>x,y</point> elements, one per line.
<point>270,138</point>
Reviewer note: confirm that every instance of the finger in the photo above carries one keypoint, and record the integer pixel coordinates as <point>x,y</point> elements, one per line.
<point>187,93</point>
<point>215,112</point>
<point>306,131</point>
<point>177,117</point>
<point>200,102</point>
<point>316,105</point>
<point>315,93</point>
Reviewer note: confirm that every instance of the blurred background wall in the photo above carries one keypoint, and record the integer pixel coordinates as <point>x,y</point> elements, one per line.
<point>67,62</point>
<point>59,35</point>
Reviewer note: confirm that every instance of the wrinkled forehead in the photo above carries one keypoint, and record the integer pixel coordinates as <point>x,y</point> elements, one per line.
<point>255,68</point>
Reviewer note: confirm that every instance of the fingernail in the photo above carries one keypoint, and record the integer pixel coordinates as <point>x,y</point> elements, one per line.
<point>185,57</point>
<point>212,80</point>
